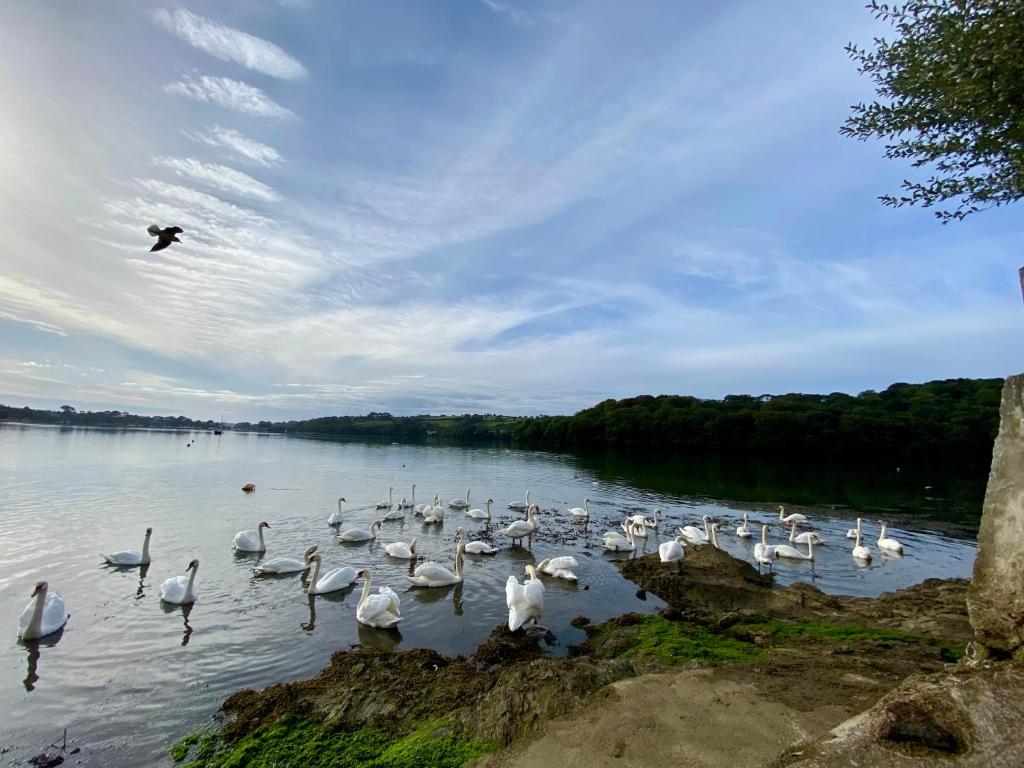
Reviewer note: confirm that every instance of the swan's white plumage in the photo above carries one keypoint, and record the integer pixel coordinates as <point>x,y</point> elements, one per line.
<point>181,590</point>
<point>672,551</point>
<point>53,614</point>
<point>335,518</point>
<point>332,581</point>
<point>525,601</point>
<point>285,564</point>
<point>431,574</point>
<point>401,550</point>
<point>131,556</point>
<point>381,610</point>
<point>251,540</point>
<point>890,545</point>
<point>359,534</point>
<point>560,567</point>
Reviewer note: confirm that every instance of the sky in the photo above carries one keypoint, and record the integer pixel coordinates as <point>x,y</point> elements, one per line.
<point>491,206</point>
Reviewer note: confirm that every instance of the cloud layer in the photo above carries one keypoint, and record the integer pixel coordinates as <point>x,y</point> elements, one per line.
<point>229,44</point>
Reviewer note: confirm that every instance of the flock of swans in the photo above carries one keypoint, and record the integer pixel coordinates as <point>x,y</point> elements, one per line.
<point>46,612</point>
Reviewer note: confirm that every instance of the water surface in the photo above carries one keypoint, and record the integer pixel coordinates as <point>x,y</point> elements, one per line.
<point>129,676</point>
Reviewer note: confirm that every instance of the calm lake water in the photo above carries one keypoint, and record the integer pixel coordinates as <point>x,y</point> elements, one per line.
<point>129,676</point>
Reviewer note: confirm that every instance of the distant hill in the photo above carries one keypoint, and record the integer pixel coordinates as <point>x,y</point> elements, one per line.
<point>69,416</point>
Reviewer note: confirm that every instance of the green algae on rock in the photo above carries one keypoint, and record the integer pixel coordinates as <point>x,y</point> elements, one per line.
<point>316,744</point>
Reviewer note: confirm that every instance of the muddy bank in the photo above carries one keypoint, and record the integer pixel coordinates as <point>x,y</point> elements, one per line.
<point>811,657</point>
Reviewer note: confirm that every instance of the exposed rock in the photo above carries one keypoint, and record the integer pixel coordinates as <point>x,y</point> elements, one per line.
<point>712,584</point>
<point>996,599</point>
<point>968,719</point>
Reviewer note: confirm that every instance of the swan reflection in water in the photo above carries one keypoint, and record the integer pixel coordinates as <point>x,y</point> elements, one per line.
<point>371,637</point>
<point>141,591</point>
<point>33,647</point>
<point>338,596</point>
<point>185,610</point>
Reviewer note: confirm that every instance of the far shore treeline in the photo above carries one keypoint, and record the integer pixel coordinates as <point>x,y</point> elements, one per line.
<point>949,421</point>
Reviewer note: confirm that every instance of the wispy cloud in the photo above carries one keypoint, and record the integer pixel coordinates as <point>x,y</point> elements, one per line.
<point>232,140</point>
<point>229,93</point>
<point>228,44</point>
<point>517,16</point>
<point>219,177</point>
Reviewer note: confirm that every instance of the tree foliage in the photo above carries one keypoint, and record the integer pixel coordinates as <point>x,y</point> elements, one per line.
<point>951,98</point>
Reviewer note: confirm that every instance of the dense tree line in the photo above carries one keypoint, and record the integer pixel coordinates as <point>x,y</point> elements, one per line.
<point>69,416</point>
<point>952,420</point>
<point>942,421</point>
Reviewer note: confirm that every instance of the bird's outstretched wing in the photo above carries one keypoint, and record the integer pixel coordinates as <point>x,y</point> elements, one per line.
<point>154,230</point>
<point>160,245</point>
<point>174,230</point>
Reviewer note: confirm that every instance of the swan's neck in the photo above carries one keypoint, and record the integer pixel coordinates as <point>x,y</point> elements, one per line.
<point>586,505</point>
<point>36,625</point>
<point>707,533</point>
<point>259,530</point>
<point>881,534</point>
<point>414,494</point>
<point>527,499</point>
<point>366,590</point>
<point>792,532</point>
<point>145,549</point>
<point>467,497</point>
<point>339,505</point>
<point>191,581</point>
<point>714,538</point>
<point>488,509</point>
<point>315,577</point>
<point>856,544</point>
<point>391,492</point>
<point>764,535</point>
<point>858,526</point>
<point>810,547</point>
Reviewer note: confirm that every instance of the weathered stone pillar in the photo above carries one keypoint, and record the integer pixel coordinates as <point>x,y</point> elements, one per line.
<point>995,601</point>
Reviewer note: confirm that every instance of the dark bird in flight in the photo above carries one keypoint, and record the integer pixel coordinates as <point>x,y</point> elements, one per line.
<point>164,236</point>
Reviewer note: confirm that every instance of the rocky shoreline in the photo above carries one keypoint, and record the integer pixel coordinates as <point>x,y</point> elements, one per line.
<point>806,659</point>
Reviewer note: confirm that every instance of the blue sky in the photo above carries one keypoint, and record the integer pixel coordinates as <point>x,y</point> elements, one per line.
<point>480,205</point>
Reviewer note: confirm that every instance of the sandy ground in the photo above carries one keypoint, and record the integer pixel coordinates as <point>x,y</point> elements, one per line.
<point>694,718</point>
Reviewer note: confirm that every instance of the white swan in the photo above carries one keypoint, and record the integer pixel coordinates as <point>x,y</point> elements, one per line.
<point>251,541</point>
<point>131,556</point>
<point>520,504</point>
<point>460,503</point>
<point>181,590</point>
<point>861,552</point>
<point>520,529</point>
<point>672,551</point>
<point>335,518</point>
<point>419,509</point>
<point>475,547</point>
<point>651,522</point>
<point>743,530</point>
<point>715,528</point>
<point>803,538</point>
<point>851,533</point>
<point>525,601</point>
<point>481,514</point>
<point>891,546</point>
<point>390,502</point>
<point>637,529</point>
<point>401,550</point>
<point>403,504</point>
<point>792,553</point>
<point>764,553</point>
<point>619,543</point>
<point>44,614</point>
<point>380,610</point>
<point>581,513</point>
<point>398,513</point>
<point>695,535</point>
<point>358,534</point>
<point>434,514</point>
<point>560,567</point>
<point>332,581</point>
<point>285,564</point>
<point>431,574</point>
<point>796,517</point>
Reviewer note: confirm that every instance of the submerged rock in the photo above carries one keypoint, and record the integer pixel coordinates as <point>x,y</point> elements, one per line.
<point>996,599</point>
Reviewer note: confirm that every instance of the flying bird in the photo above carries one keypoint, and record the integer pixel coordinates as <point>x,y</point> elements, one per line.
<point>164,236</point>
